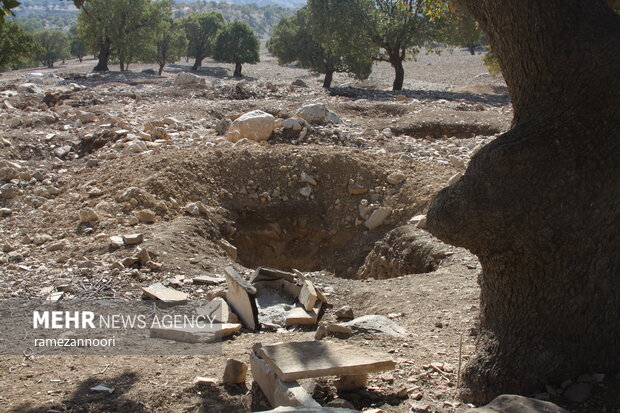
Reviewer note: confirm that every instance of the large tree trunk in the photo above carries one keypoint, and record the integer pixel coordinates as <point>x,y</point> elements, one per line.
<point>329,77</point>
<point>540,205</point>
<point>237,70</point>
<point>104,56</point>
<point>399,78</point>
<point>197,62</point>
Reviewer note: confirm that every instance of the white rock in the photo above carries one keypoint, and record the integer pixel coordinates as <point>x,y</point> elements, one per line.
<point>378,217</point>
<point>87,215</point>
<point>305,191</point>
<point>396,178</point>
<point>188,79</point>
<point>455,178</point>
<point>29,88</point>
<point>256,125</point>
<point>307,179</point>
<point>295,124</point>
<point>318,113</point>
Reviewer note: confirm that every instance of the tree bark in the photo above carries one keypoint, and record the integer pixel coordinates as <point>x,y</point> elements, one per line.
<point>161,68</point>
<point>472,49</point>
<point>237,70</point>
<point>540,205</point>
<point>104,56</point>
<point>197,63</point>
<point>399,70</point>
<point>329,77</point>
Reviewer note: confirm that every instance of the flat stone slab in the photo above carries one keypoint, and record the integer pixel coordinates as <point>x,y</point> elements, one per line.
<point>207,334</point>
<point>270,274</point>
<point>308,359</point>
<point>299,316</point>
<point>165,294</point>
<point>218,311</point>
<point>241,296</point>
<point>208,280</point>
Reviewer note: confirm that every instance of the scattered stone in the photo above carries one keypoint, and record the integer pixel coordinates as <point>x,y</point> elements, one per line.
<point>146,216</point>
<point>55,297</point>
<point>300,316</point>
<point>167,295</point>
<point>351,382</point>
<point>509,403</point>
<point>308,359</point>
<point>196,208</point>
<point>307,179</point>
<point>235,372</point>
<point>218,311</point>
<point>57,246</point>
<point>216,292</point>
<point>377,218</point>
<point>271,274</point>
<point>375,324</point>
<point>419,221</point>
<point>29,88</point>
<point>116,242</point>
<point>256,126</point>
<point>188,79</point>
<point>87,215</point>
<point>241,296</point>
<point>295,124</point>
<point>205,380</point>
<point>133,239</point>
<point>457,176</point>
<point>306,191</point>
<point>396,178</point>
<point>340,403</point>
<point>356,189</point>
<point>207,333</point>
<point>317,114</point>
<point>345,312</point>
<point>208,280</point>
<point>102,389</point>
<point>299,82</point>
<point>62,151</point>
<point>230,249</point>
<point>292,394</point>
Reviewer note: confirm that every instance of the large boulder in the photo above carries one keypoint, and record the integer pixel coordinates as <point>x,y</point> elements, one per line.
<point>318,114</point>
<point>188,79</point>
<point>256,125</point>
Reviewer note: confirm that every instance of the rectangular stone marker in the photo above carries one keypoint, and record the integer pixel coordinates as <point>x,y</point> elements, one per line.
<point>218,310</point>
<point>196,335</point>
<point>319,294</point>
<point>241,297</point>
<point>208,280</point>
<point>164,294</point>
<point>308,359</point>
<point>308,295</point>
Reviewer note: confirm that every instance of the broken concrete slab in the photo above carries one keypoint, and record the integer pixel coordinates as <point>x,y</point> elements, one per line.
<point>510,403</point>
<point>218,311</point>
<point>164,294</point>
<point>207,334</point>
<point>241,295</point>
<point>308,295</point>
<point>308,359</point>
<point>375,324</point>
<point>299,316</point>
<point>271,274</point>
<point>263,375</point>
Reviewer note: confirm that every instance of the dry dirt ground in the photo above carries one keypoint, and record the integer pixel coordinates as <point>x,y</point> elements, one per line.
<point>75,148</point>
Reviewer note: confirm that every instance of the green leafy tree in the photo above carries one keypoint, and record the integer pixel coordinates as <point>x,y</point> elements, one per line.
<point>237,43</point>
<point>54,46</point>
<point>171,44</point>
<point>16,45</point>
<point>125,29</point>
<point>201,30</point>
<point>400,28</point>
<point>78,48</point>
<point>301,38</point>
<point>463,30</point>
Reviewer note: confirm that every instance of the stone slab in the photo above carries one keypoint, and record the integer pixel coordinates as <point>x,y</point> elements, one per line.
<point>241,297</point>
<point>164,294</point>
<point>208,280</point>
<point>299,316</point>
<point>292,394</point>
<point>308,295</point>
<point>218,311</point>
<point>264,376</point>
<point>270,274</point>
<point>207,334</point>
<point>510,403</point>
<point>308,359</point>
<point>286,287</point>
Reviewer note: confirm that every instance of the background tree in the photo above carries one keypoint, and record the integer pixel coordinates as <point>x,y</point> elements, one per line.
<point>120,28</point>
<point>16,45</point>
<point>464,30</point>
<point>201,30</point>
<point>540,205</point>
<point>237,43</point>
<point>171,44</point>
<point>54,46</point>
<point>400,28</point>
<point>294,39</point>
<point>78,48</point>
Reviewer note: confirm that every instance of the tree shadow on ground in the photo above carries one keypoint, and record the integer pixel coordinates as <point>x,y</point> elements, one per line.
<point>500,98</point>
<point>84,399</point>
<point>206,71</point>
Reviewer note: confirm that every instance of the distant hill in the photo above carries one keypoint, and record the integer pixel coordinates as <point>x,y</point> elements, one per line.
<point>260,15</point>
